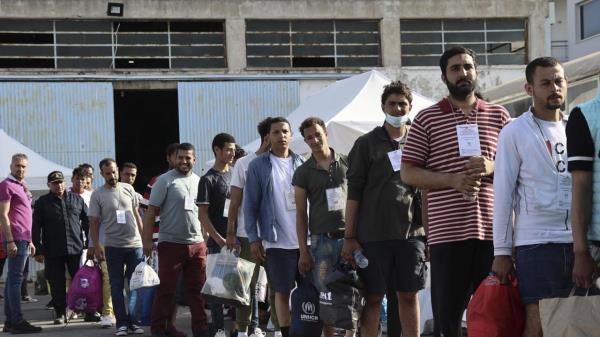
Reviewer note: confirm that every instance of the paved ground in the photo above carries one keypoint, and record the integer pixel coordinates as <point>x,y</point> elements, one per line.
<point>37,314</point>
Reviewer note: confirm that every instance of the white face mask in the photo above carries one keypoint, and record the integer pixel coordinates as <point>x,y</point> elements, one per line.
<point>396,121</point>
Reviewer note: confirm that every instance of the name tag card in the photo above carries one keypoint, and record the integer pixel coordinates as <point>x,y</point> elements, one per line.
<point>335,199</point>
<point>290,199</point>
<point>189,203</point>
<point>468,140</point>
<point>121,218</point>
<point>395,159</point>
<point>564,192</point>
<point>226,208</point>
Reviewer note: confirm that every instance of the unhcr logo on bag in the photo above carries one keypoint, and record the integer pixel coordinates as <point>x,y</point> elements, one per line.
<point>308,309</point>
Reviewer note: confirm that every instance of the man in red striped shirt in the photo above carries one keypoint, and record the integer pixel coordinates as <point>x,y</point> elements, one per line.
<point>450,152</point>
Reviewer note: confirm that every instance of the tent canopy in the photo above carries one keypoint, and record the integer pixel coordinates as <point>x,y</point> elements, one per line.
<point>38,167</point>
<point>349,108</point>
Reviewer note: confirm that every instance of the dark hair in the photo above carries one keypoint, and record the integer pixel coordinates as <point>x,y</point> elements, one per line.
<point>274,120</point>
<point>86,166</point>
<point>263,127</point>
<point>450,53</point>
<point>78,172</point>
<point>545,62</point>
<point>106,162</point>
<point>310,121</point>
<point>171,148</point>
<point>239,152</point>
<point>128,165</point>
<point>397,88</point>
<point>221,139</point>
<point>186,147</point>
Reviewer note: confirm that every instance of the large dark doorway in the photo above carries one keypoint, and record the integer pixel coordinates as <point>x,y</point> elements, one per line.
<point>146,122</point>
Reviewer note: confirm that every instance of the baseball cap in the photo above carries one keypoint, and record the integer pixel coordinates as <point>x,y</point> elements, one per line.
<point>55,176</point>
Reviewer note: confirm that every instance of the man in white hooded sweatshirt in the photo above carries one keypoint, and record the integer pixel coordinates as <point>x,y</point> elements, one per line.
<point>531,180</point>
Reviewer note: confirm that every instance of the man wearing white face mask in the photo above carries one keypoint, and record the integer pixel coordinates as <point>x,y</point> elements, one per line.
<point>383,217</point>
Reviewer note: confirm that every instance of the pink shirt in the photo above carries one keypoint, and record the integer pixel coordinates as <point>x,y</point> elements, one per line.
<point>19,213</point>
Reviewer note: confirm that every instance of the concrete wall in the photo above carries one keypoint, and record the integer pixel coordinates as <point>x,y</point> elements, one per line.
<point>578,47</point>
<point>234,12</point>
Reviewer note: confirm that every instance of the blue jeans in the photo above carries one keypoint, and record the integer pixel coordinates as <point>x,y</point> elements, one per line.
<point>14,278</point>
<point>121,263</point>
<point>326,254</point>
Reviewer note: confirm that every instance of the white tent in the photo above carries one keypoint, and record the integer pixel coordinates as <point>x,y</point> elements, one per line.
<point>38,167</point>
<point>350,108</point>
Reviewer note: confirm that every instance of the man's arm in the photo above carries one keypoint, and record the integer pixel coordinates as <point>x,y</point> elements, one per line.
<point>235,202</point>
<point>305,262</point>
<point>11,247</point>
<point>138,220</point>
<point>208,226</point>
<point>581,214</point>
<point>430,180</point>
<point>252,203</point>
<point>95,231</point>
<point>149,220</point>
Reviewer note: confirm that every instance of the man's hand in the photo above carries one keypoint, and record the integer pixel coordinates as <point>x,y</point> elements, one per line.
<point>465,183</point>
<point>258,252</point>
<point>584,269</point>
<point>147,244</point>
<point>99,253</point>
<point>39,258</point>
<point>305,262</point>
<point>479,166</point>
<point>348,248</point>
<point>231,241</point>
<point>11,249</point>
<point>31,248</point>
<point>503,266</point>
<point>90,253</point>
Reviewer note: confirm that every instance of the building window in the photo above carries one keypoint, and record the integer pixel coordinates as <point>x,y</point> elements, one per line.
<point>96,44</point>
<point>495,41</point>
<point>312,43</point>
<point>588,18</point>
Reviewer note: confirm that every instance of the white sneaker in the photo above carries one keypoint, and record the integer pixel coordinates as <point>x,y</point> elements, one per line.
<point>106,321</point>
<point>258,333</point>
<point>121,331</point>
<point>137,330</point>
<point>72,315</point>
<point>277,334</point>
<point>242,334</point>
<point>220,333</point>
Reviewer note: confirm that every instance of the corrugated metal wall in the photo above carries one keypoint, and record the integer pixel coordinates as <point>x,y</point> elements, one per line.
<point>69,123</point>
<point>207,108</point>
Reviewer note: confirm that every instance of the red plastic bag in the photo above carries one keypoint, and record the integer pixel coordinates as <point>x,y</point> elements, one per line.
<point>496,310</point>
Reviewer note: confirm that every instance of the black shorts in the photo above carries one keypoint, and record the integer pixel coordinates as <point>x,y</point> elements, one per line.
<point>397,265</point>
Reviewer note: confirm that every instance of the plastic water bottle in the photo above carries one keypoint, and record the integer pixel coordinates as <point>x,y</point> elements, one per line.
<point>361,260</point>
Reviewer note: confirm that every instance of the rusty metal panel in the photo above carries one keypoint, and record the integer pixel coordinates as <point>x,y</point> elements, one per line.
<point>68,123</point>
<point>208,108</point>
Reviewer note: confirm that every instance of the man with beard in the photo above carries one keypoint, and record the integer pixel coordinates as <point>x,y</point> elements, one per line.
<point>532,183</point>
<point>115,206</point>
<point>450,152</point>
<point>181,247</point>
<point>60,223</point>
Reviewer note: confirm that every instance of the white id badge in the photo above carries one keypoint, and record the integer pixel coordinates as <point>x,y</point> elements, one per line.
<point>395,159</point>
<point>189,203</point>
<point>468,140</point>
<point>290,200</point>
<point>121,218</point>
<point>226,208</point>
<point>335,199</point>
<point>564,192</point>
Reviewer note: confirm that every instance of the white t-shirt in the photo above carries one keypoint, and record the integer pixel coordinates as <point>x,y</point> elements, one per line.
<point>281,174</point>
<point>86,195</point>
<point>238,179</point>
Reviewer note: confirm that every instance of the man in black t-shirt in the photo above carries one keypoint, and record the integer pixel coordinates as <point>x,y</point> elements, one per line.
<point>583,153</point>
<point>213,205</point>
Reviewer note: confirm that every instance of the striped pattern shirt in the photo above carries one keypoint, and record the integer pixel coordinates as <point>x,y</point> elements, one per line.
<point>432,144</point>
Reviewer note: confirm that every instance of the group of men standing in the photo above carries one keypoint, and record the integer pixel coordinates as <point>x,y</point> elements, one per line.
<point>461,186</point>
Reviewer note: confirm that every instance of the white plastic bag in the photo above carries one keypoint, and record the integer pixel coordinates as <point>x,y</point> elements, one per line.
<point>143,276</point>
<point>228,278</point>
<point>261,285</point>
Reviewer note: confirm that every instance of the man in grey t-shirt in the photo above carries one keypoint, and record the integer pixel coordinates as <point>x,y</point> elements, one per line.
<point>181,246</point>
<point>115,206</point>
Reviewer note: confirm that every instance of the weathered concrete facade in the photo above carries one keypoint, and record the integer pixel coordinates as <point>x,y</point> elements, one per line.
<point>235,12</point>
